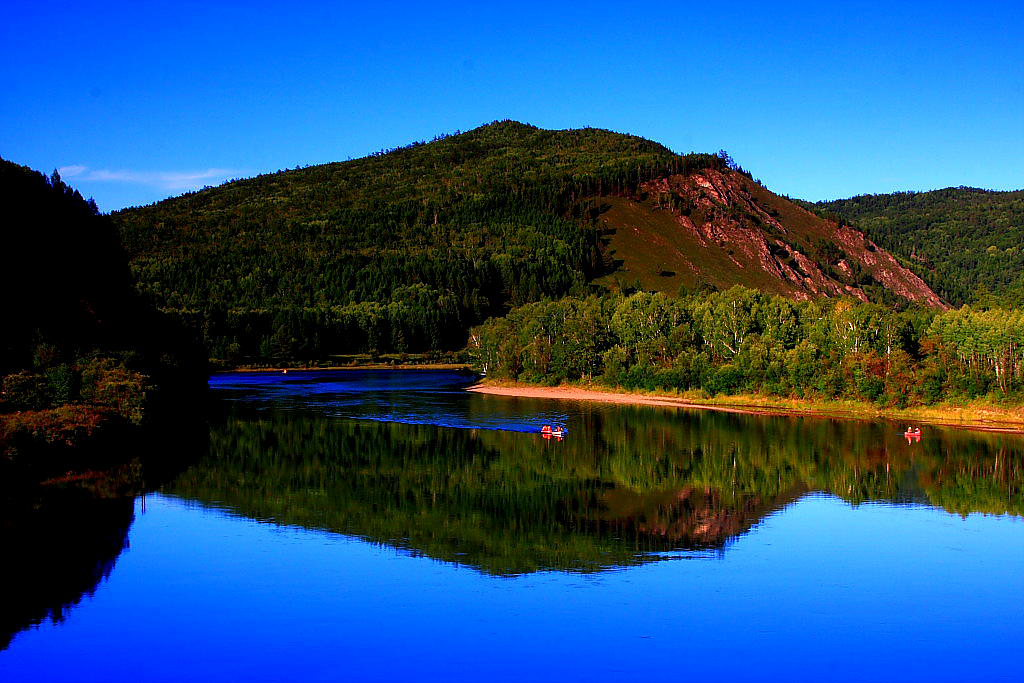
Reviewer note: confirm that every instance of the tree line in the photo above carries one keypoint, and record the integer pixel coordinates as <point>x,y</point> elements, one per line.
<point>741,341</point>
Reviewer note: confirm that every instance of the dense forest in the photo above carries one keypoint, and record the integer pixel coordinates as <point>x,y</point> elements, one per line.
<point>405,250</point>
<point>80,349</point>
<point>398,251</point>
<point>742,340</point>
<point>963,241</point>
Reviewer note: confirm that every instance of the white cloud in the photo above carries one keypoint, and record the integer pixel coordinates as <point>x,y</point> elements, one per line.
<point>171,181</point>
<point>71,171</point>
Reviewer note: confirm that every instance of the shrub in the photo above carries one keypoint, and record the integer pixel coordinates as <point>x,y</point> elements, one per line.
<point>108,382</point>
<point>63,383</point>
<point>26,390</point>
<point>63,426</point>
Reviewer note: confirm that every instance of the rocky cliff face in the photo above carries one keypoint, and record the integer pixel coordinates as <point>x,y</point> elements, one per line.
<point>721,228</point>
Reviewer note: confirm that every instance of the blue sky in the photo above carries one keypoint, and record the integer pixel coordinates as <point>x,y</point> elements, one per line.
<point>139,101</point>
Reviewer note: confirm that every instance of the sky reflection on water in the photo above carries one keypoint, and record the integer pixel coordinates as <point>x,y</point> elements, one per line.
<point>821,591</point>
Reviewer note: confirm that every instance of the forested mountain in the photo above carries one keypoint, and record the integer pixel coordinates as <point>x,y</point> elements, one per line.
<point>961,240</point>
<point>406,249</point>
<point>79,347</point>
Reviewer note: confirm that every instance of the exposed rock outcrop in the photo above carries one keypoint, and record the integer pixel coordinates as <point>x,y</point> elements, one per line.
<point>723,229</point>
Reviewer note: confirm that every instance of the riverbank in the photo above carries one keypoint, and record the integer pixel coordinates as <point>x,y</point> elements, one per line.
<point>975,416</point>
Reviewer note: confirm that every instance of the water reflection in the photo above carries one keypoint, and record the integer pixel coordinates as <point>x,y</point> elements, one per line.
<point>57,549</point>
<point>62,536</point>
<point>630,484</point>
<point>407,396</point>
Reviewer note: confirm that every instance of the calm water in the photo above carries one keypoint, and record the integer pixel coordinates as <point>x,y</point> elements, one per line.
<point>390,526</point>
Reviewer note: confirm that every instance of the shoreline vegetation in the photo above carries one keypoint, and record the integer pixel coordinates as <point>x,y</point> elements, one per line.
<point>973,415</point>
<point>742,347</point>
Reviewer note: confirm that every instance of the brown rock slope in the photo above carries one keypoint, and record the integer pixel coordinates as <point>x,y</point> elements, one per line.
<point>723,229</point>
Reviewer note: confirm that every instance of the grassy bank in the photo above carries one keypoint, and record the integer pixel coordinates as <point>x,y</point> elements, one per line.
<point>979,415</point>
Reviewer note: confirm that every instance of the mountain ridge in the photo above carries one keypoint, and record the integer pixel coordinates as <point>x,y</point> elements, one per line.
<point>408,248</point>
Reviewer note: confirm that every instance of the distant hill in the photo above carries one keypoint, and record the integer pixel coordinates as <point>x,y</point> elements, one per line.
<point>406,249</point>
<point>959,239</point>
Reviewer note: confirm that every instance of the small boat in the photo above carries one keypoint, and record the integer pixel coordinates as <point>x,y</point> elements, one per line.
<point>548,431</point>
<point>912,434</point>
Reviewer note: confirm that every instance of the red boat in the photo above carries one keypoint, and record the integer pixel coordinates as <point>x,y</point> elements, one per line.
<point>548,431</point>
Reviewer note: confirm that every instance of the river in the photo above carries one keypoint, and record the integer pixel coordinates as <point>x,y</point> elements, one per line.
<point>388,525</point>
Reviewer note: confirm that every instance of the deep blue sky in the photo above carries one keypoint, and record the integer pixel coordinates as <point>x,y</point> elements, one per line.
<point>138,101</point>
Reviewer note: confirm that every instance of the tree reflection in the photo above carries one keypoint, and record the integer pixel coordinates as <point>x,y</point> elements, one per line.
<point>629,484</point>
<point>62,536</point>
<point>58,549</point>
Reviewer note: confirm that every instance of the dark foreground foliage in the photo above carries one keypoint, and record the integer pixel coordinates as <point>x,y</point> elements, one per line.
<point>79,350</point>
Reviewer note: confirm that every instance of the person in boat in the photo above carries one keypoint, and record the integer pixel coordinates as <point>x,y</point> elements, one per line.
<point>546,429</point>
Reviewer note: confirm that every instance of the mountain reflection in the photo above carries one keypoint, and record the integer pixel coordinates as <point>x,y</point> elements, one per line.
<point>629,484</point>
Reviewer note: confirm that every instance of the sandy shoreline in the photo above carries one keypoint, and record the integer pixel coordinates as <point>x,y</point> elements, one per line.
<point>1010,426</point>
<point>578,394</point>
